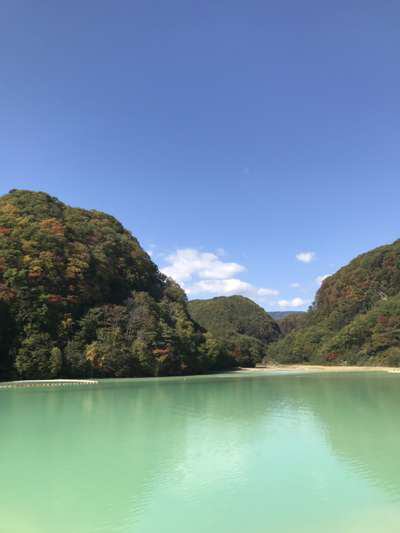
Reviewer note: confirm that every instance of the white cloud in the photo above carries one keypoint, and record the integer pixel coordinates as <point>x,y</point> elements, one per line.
<point>219,286</point>
<point>295,302</point>
<point>267,292</point>
<point>305,257</point>
<point>319,279</point>
<point>206,273</point>
<point>295,285</point>
<point>188,262</point>
<point>228,286</point>
<point>149,252</point>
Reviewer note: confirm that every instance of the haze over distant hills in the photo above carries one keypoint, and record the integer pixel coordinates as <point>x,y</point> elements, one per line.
<point>278,315</point>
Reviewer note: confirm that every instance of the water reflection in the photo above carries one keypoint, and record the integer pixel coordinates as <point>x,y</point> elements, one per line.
<point>226,454</point>
<point>361,420</point>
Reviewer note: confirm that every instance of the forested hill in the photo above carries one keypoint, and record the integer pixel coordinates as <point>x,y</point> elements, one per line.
<point>355,317</point>
<point>291,321</point>
<point>79,297</point>
<point>279,315</point>
<point>240,322</point>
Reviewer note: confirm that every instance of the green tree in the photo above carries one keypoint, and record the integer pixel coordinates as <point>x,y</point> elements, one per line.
<point>34,355</point>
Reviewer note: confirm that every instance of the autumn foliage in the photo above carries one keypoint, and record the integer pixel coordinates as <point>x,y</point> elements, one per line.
<point>355,318</point>
<point>80,297</point>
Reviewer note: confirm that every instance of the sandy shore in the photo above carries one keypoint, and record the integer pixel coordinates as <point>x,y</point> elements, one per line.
<point>321,368</point>
<point>269,368</point>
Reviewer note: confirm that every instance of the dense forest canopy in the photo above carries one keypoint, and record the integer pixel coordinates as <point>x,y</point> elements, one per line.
<point>291,321</point>
<point>79,297</point>
<point>238,321</point>
<point>355,318</point>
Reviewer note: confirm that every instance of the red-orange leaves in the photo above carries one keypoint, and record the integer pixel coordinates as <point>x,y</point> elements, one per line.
<point>52,226</point>
<point>55,299</point>
<point>4,230</point>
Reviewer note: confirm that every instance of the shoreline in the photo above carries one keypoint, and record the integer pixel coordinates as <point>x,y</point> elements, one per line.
<point>46,383</point>
<point>321,368</point>
<point>293,368</point>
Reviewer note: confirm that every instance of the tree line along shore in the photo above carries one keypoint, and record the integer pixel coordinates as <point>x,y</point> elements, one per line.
<point>81,299</point>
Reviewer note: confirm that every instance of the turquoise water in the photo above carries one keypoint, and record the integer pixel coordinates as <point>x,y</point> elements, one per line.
<point>238,453</point>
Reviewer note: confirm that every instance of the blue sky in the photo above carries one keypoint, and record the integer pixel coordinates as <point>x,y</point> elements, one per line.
<point>228,136</point>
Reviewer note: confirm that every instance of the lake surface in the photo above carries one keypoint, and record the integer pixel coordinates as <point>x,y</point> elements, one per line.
<point>237,453</point>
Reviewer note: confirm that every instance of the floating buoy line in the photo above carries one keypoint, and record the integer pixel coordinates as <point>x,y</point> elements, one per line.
<point>47,383</point>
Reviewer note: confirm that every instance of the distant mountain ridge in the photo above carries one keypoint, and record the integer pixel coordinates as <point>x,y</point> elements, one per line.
<point>278,315</point>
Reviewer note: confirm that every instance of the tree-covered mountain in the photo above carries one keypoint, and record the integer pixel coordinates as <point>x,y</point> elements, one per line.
<point>355,318</point>
<point>279,315</point>
<point>291,321</point>
<point>79,297</point>
<point>238,321</point>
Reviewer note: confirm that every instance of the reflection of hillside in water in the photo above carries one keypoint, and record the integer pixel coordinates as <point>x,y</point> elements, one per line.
<point>360,417</point>
<point>119,448</point>
<point>121,441</point>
